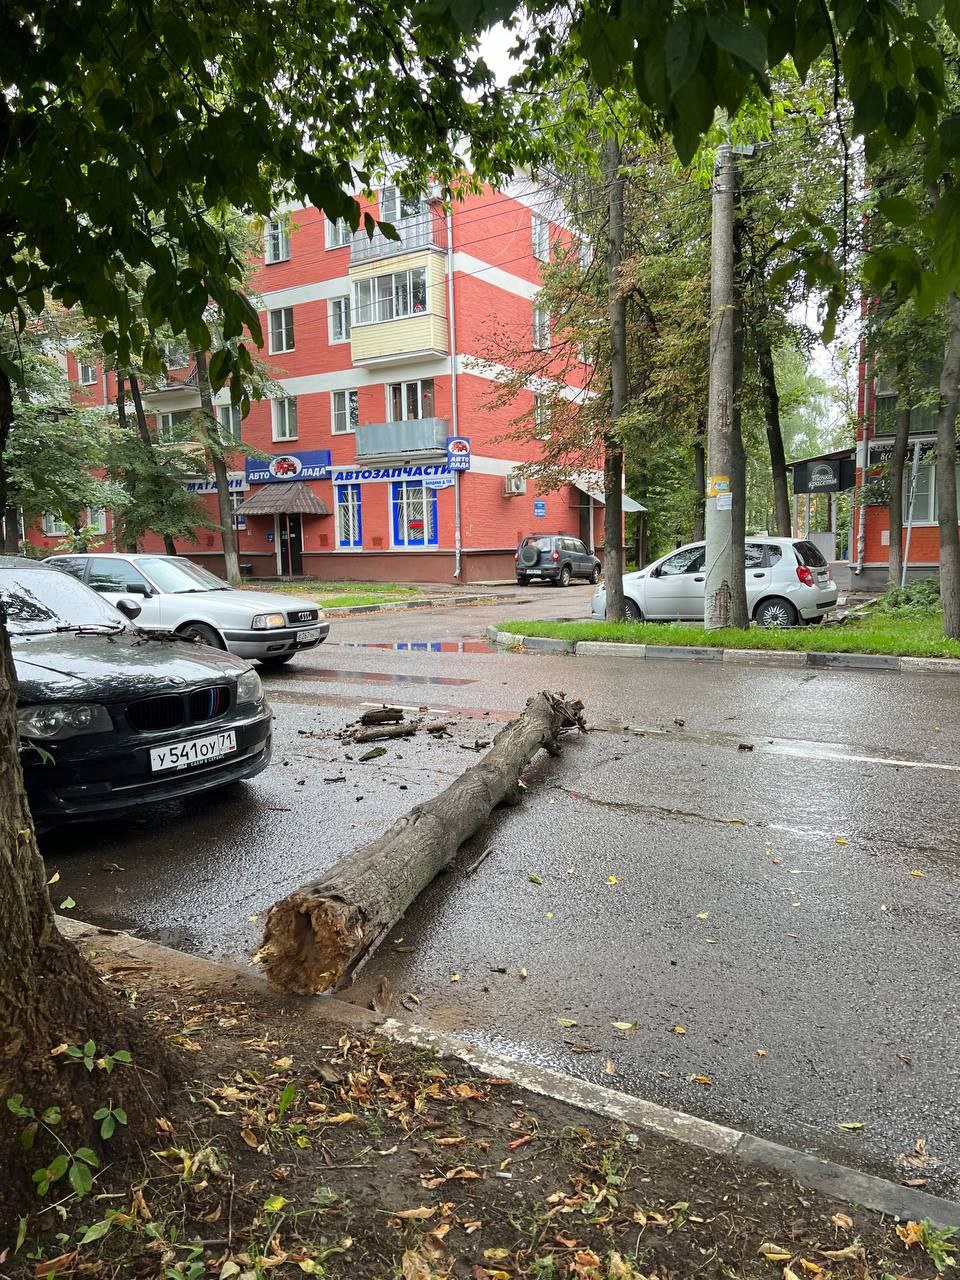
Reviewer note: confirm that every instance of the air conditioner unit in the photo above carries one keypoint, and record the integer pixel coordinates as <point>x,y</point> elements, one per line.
<point>514,483</point>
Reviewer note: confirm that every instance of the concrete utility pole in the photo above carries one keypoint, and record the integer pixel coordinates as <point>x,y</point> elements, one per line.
<point>612,447</point>
<point>724,603</point>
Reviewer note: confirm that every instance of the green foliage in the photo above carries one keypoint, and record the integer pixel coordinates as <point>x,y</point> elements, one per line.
<point>918,599</point>
<point>87,1054</point>
<point>76,1164</point>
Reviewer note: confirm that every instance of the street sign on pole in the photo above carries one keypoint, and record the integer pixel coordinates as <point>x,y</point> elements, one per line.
<point>458,453</point>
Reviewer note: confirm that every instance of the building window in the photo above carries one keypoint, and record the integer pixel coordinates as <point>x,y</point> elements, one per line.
<point>390,297</point>
<point>284,418</point>
<point>541,418</point>
<point>394,206</point>
<point>276,240</point>
<point>586,254</point>
<point>541,237</point>
<point>236,501</point>
<point>281,330</point>
<point>87,373</point>
<point>339,319</point>
<point>338,233</point>
<point>541,329</point>
<point>174,355</point>
<point>414,514</point>
<point>345,412</point>
<point>349,526</point>
<point>230,419</point>
<point>168,422</point>
<point>406,400</point>
<point>93,518</point>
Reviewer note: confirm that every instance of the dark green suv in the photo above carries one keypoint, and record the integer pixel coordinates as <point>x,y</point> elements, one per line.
<point>555,558</point>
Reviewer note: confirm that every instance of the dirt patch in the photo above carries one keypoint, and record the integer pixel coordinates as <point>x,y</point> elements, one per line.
<point>304,1147</point>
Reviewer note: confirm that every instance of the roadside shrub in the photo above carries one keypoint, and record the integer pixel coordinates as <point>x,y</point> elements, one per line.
<point>919,599</point>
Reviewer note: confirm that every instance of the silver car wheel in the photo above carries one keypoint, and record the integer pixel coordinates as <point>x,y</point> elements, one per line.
<point>776,613</point>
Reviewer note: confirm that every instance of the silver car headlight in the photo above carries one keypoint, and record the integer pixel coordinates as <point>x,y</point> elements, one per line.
<point>56,721</point>
<point>249,688</point>
<point>268,621</point>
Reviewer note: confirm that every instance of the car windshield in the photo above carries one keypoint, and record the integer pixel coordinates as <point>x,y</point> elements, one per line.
<point>43,600</point>
<point>174,576</point>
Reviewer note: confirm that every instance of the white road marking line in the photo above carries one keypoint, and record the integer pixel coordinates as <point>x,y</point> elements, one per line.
<point>402,706</point>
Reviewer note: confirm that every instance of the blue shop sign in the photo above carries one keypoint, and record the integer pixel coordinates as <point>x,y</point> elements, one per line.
<point>314,464</point>
<point>539,507</point>
<point>458,453</point>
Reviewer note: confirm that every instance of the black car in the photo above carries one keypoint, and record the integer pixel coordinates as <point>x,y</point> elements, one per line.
<point>111,717</point>
<point>556,558</point>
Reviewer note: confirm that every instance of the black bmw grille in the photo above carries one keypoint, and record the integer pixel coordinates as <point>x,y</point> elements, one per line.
<point>170,710</point>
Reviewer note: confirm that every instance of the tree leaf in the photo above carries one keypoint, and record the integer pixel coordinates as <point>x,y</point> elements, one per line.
<point>684,40</point>
<point>97,1231</point>
<point>81,1179</point>
<point>739,37</point>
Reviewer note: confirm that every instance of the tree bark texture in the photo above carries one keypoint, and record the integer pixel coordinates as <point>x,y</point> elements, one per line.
<point>771,413</point>
<point>317,937</point>
<point>898,458</point>
<point>227,532</point>
<point>612,448</point>
<point>739,614</point>
<point>11,526</point>
<point>947,472</point>
<point>169,546</point>
<point>699,479</point>
<point>49,995</point>
<point>124,425</point>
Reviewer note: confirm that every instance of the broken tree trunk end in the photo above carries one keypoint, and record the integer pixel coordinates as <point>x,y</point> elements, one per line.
<point>382,715</point>
<point>376,731</point>
<point>319,936</point>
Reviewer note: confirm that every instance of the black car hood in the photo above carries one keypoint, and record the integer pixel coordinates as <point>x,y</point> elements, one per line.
<point>112,668</point>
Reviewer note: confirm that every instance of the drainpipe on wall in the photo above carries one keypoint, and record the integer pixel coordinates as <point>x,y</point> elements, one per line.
<point>914,472</point>
<point>454,417</point>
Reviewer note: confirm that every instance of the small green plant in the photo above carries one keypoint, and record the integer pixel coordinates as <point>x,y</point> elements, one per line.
<point>77,1165</point>
<point>87,1054</point>
<point>919,599</point>
<point>109,1118</point>
<point>934,1241</point>
<point>285,1101</point>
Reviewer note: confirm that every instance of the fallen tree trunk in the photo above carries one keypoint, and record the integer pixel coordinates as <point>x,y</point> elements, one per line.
<point>318,937</point>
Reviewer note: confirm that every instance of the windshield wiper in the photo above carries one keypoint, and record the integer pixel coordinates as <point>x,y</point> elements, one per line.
<point>94,628</point>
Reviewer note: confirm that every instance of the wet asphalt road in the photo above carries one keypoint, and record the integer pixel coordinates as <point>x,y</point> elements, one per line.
<point>764,899</point>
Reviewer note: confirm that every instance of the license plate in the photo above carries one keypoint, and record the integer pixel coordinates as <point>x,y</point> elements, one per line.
<point>535,573</point>
<point>181,755</point>
<point>821,577</point>
<point>304,637</point>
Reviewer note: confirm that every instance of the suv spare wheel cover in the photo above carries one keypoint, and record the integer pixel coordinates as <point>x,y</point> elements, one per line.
<point>529,554</point>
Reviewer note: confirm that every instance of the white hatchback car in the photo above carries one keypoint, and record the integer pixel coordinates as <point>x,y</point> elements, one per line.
<point>788,583</point>
<point>177,595</point>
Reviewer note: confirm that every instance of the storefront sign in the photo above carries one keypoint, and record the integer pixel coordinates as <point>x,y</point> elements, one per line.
<point>236,483</point>
<point>539,507</point>
<point>458,453</point>
<point>360,475</point>
<point>440,482</point>
<point>312,465</point>
<point>824,475</point>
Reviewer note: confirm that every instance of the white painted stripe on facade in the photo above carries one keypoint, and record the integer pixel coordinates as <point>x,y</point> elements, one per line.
<point>481,367</point>
<point>496,276</point>
<point>316,291</point>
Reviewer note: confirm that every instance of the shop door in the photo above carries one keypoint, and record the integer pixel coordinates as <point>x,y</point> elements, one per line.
<point>291,546</point>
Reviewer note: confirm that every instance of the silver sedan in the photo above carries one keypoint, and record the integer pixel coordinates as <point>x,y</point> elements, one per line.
<point>177,595</point>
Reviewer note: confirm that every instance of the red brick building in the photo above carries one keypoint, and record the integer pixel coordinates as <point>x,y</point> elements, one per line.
<point>376,348</point>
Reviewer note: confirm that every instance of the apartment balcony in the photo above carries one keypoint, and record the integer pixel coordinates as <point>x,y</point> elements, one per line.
<point>415,438</point>
<point>177,389</point>
<point>423,231</point>
<point>399,309</point>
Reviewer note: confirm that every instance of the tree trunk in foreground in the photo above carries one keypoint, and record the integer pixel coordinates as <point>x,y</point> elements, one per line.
<point>699,479</point>
<point>49,995</point>
<point>898,457</point>
<point>319,936</point>
<point>947,473</point>
<point>228,533</point>
<point>169,546</point>
<point>771,413</point>
<point>612,448</point>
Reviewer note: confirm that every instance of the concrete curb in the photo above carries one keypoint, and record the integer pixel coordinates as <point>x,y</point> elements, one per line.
<point>735,657</point>
<point>425,602</point>
<point>839,1181</point>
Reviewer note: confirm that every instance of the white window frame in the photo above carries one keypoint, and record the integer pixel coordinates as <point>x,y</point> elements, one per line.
<point>337,233</point>
<point>276,240</point>
<point>236,501</point>
<point>83,370</point>
<point>586,254</point>
<point>404,387</point>
<point>382,303</point>
<point>339,314</point>
<point>352,510</point>
<point>345,406</point>
<point>392,205</point>
<point>95,518</point>
<point>230,421</point>
<point>540,236</point>
<point>541,329</point>
<point>174,355</point>
<point>167,421</point>
<point>284,331</point>
<point>541,417</point>
<point>280,412</point>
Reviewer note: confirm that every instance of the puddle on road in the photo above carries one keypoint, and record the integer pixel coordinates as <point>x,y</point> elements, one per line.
<point>422,646</point>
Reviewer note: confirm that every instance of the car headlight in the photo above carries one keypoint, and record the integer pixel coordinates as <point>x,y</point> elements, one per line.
<point>249,688</point>
<point>267,621</point>
<point>56,721</point>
